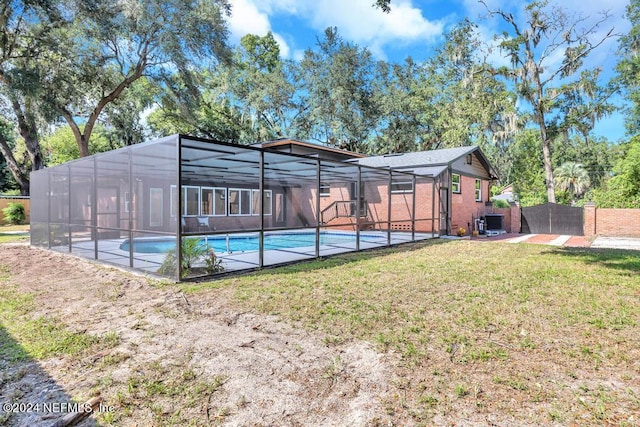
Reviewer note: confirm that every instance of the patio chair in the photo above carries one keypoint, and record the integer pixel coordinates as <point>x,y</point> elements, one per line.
<point>203,223</point>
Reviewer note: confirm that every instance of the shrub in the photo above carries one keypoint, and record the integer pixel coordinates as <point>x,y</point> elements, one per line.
<point>192,251</point>
<point>212,264</point>
<point>500,203</point>
<point>14,213</point>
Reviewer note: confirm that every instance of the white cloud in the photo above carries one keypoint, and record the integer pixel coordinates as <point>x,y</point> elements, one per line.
<point>247,18</point>
<point>360,22</point>
<point>357,20</point>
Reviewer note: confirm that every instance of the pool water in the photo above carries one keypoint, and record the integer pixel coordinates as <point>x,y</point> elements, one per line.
<point>249,242</point>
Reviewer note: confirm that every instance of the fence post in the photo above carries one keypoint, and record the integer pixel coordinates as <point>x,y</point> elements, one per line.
<point>516,217</point>
<point>590,228</point>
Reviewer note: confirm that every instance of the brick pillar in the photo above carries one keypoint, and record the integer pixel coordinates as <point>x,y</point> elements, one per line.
<point>514,211</point>
<point>590,219</point>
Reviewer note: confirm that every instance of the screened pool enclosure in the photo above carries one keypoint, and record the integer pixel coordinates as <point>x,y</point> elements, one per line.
<point>232,207</point>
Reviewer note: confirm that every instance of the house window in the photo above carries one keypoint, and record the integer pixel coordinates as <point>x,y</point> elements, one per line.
<point>173,200</point>
<point>455,183</point>
<point>127,201</point>
<point>325,190</point>
<point>239,202</point>
<point>402,186</point>
<point>478,190</point>
<point>220,201</point>
<point>469,159</point>
<point>155,207</point>
<point>206,205</point>
<point>191,201</point>
<point>266,202</point>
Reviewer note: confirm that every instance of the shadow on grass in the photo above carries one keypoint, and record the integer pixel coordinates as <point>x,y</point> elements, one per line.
<point>322,263</point>
<point>617,259</point>
<point>32,396</point>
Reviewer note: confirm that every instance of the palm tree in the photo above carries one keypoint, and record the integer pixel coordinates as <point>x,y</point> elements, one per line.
<point>572,177</point>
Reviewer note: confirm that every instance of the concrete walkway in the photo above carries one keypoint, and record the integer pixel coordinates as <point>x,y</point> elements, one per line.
<point>567,241</point>
<point>617,243</point>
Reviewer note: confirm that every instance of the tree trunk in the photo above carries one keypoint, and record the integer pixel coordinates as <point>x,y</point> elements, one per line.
<point>546,142</point>
<point>548,169</point>
<point>28,131</point>
<point>83,137</point>
<point>546,157</point>
<point>19,175</point>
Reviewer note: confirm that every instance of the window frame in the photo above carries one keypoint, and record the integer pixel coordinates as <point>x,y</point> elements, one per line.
<point>173,200</point>
<point>325,190</point>
<point>202,191</point>
<point>156,200</point>
<point>240,204</point>
<point>457,185</point>
<point>395,183</point>
<point>478,190</point>
<point>127,202</point>
<point>224,197</point>
<point>185,205</point>
<point>253,202</point>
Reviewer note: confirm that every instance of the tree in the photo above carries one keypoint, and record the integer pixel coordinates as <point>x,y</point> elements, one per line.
<point>629,67</point>
<point>121,121</point>
<point>573,178</point>
<point>265,88</point>
<point>337,83</point>
<point>7,182</point>
<point>197,103</point>
<point>385,5</point>
<point>526,172</point>
<point>596,155</point>
<point>403,108</point>
<point>469,104</point>
<point>623,189</point>
<point>557,103</point>
<point>114,43</point>
<point>60,146</point>
<point>26,29</point>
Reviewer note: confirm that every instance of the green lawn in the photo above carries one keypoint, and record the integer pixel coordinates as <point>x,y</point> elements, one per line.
<point>476,326</point>
<point>7,235</point>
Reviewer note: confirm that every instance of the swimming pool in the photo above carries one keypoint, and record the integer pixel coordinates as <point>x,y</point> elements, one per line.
<point>245,243</point>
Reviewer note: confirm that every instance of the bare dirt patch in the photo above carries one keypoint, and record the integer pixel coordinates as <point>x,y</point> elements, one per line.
<point>180,359</point>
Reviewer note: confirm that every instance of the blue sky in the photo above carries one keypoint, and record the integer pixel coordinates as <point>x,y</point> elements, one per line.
<point>413,28</point>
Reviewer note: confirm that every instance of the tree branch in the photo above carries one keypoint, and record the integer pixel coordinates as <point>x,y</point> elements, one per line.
<point>18,174</point>
<point>579,57</point>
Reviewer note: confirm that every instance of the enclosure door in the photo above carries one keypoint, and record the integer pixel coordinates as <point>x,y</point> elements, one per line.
<point>444,211</point>
<point>108,214</point>
<point>280,211</point>
<point>353,199</point>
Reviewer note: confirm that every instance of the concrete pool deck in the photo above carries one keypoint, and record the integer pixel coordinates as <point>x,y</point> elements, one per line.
<point>109,251</point>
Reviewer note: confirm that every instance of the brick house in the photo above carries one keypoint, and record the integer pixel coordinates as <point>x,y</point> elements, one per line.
<point>463,176</point>
<point>273,203</point>
<point>454,192</point>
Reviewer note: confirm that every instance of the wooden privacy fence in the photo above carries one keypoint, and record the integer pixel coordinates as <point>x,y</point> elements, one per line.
<point>5,200</point>
<point>552,218</point>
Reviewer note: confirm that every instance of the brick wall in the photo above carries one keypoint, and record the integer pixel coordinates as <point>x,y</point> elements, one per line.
<point>611,222</point>
<point>464,207</point>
